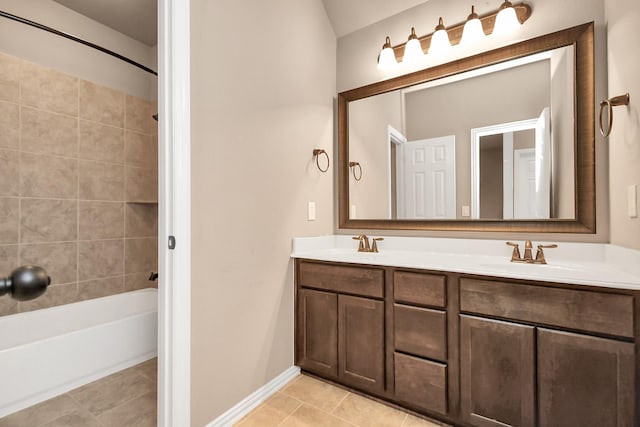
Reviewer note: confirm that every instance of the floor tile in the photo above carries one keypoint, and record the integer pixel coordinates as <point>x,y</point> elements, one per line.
<point>41,413</point>
<point>149,369</point>
<point>308,416</point>
<point>139,412</point>
<point>272,412</point>
<point>413,421</point>
<point>366,412</point>
<point>314,392</point>
<point>75,419</point>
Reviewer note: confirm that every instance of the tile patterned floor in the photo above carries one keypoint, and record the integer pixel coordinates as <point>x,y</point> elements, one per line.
<point>308,402</point>
<point>126,398</point>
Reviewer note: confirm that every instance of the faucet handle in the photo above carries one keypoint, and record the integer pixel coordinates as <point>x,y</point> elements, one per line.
<point>515,255</point>
<point>364,243</point>
<point>374,245</point>
<point>540,259</point>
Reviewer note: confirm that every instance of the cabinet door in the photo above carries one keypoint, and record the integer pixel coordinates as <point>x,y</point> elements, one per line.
<point>497,361</point>
<point>361,342</point>
<point>317,332</point>
<point>584,381</point>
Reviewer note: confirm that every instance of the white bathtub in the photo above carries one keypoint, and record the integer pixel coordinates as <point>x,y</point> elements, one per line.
<point>47,352</point>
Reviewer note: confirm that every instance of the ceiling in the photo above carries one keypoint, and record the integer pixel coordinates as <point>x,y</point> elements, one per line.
<point>347,16</point>
<point>134,18</point>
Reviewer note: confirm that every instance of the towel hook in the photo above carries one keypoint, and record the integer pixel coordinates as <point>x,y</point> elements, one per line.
<point>316,154</point>
<point>609,104</point>
<point>353,166</point>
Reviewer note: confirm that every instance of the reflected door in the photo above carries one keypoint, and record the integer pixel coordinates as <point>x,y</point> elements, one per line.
<point>427,179</point>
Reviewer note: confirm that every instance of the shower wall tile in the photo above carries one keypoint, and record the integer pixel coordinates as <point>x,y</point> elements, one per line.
<point>8,306</point>
<point>55,295</point>
<point>100,258</point>
<point>140,150</point>
<point>48,89</point>
<point>9,125</point>
<point>141,255</point>
<point>10,78</point>
<point>48,176</point>
<point>8,259</point>
<point>101,220</point>
<point>9,217</point>
<point>141,185</point>
<point>59,259</point>
<point>139,115</point>
<point>101,181</point>
<point>48,220</point>
<point>101,104</point>
<point>135,281</point>
<point>141,220</point>
<point>101,142</point>
<point>100,288</point>
<point>9,172</point>
<point>49,133</point>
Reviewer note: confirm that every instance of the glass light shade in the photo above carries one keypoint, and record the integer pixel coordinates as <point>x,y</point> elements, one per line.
<point>412,52</point>
<point>439,42</point>
<point>387,59</point>
<point>472,31</point>
<point>506,21</point>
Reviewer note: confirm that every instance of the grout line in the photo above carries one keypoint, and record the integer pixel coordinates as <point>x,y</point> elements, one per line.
<point>340,403</point>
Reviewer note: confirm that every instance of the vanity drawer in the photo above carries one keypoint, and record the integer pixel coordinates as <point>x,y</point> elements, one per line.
<point>421,383</point>
<point>351,280</point>
<point>420,331</point>
<point>582,310</point>
<point>421,289</point>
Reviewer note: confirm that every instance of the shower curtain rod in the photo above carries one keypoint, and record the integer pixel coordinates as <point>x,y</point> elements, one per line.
<point>76,39</point>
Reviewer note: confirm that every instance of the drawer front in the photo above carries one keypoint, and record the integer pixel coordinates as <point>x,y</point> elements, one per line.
<point>421,331</point>
<point>421,383</point>
<point>417,288</point>
<point>351,280</point>
<point>582,310</point>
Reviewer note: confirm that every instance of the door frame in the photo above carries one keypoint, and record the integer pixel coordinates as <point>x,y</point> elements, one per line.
<point>174,214</point>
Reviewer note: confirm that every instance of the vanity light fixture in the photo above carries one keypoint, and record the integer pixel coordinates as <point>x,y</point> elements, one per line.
<point>507,20</point>
<point>472,31</point>
<point>412,49</point>
<point>440,42</point>
<point>387,58</point>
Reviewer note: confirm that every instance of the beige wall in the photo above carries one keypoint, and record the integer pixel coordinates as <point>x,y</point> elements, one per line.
<point>73,58</point>
<point>263,84</point>
<point>356,67</point>
<point>75,160</point>
<point>624,143</point>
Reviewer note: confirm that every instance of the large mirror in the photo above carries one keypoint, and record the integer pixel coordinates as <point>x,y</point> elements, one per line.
<point>501,141</point>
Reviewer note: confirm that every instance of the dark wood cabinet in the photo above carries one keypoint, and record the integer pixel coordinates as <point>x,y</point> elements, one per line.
<point>497,365</point>
<point>584,381</point>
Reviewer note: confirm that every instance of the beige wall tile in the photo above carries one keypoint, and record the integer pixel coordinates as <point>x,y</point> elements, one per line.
<point>59,259</point>
<point>9,125</point>
<point>49,133</point>
<point>139,114</point>
<point>41,413</point>
<point>100,258</point>
<point>10,78</point>
<point>141,255</point>
<point>45,220</point>
<point>140,150</point>
<point>8,262</point>
<point>101,181</point>
<point>101,220</point>
<point>55,295</point>
<point>48,89</point>
<point>9,213</point>
<point>141,185</point>
<point>101,104</point>
<point>101,142</point>
<point>8,306</point>
<point>135,281</point>
<point>141,220</point>
<point>100,288</point>
<point>9,172</point>
<point>48,176</point>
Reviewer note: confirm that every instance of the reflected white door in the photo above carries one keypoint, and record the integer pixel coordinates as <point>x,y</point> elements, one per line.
<point>524,184</point>
<point>428,179</point>
<point>543,166</point>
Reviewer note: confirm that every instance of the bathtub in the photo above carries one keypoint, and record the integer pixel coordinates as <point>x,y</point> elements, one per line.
<point>47,352</point>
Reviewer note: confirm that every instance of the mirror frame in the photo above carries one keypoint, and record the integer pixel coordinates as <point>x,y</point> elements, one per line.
<point>581,37</point>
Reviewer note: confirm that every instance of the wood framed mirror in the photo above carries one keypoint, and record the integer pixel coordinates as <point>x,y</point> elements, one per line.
<point>430,143</point>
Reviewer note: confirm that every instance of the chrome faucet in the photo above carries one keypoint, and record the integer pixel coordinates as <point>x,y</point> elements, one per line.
<point>528,256</point>
<point>364,246</point>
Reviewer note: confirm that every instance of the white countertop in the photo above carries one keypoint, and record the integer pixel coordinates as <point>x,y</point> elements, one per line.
<point>575,263</point>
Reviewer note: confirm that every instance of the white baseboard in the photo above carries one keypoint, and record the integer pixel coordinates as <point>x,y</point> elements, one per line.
<point>254,399</point>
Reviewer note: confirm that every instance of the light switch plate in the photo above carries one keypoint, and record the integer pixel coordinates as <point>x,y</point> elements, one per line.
<point>352,212</point>
<point>632,201</point>
<point>311,211</point>
<point>465,211</point>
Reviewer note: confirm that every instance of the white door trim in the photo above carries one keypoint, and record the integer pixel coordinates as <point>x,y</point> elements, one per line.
<point>174,205</point>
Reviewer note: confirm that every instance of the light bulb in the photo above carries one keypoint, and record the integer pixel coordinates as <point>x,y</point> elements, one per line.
<point>413,49</point>
<point>387,58</point>
<point>439,39</point>
<point>472,31</point>
<point>507,21</point>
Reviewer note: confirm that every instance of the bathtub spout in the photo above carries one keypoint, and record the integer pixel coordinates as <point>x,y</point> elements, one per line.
<point>25,283</point>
